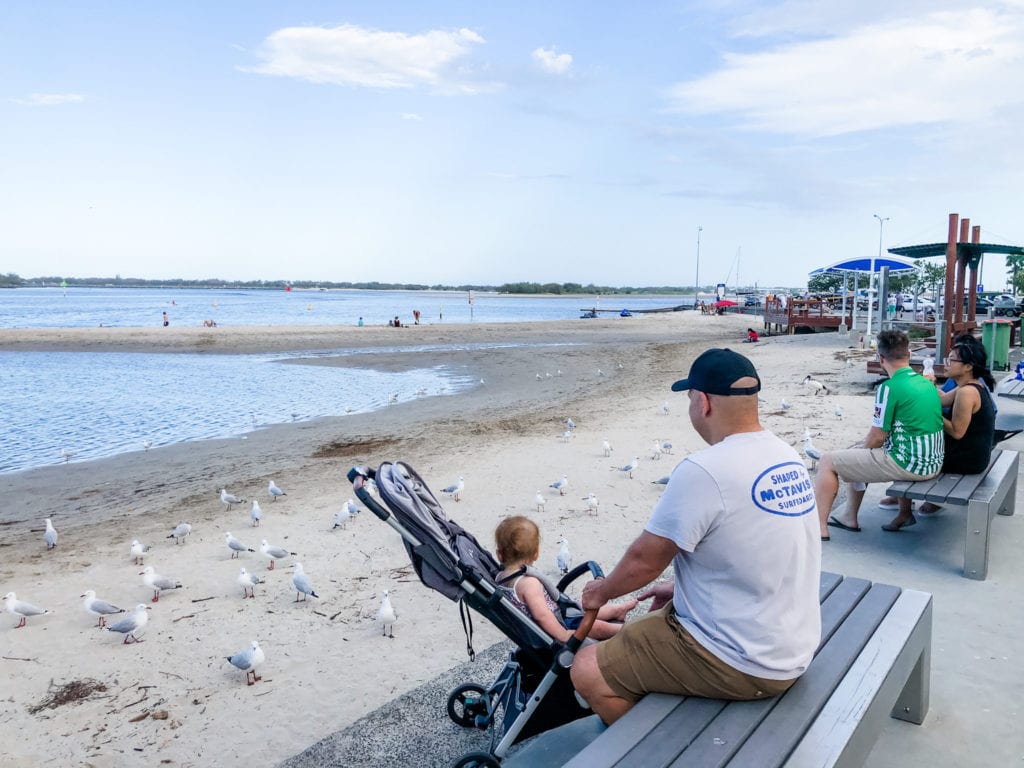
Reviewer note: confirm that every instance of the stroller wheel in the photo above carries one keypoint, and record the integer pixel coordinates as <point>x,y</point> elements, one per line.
<point>477,760</point>
<point>467,706</point>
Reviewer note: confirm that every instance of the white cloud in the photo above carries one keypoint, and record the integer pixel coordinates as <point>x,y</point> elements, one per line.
<point>411,116</point>
<point>552,61</point>
<point>50,99</point>
<point>351,55</point>
<point>944,67</point>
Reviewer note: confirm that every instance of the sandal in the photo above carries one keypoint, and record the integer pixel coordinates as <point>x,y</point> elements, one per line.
<point>897,525</point>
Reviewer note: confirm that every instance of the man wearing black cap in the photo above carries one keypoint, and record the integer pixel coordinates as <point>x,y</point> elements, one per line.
<point>738,523</point>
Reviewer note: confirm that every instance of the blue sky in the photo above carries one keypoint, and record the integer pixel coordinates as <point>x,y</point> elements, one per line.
<point>469,142</point>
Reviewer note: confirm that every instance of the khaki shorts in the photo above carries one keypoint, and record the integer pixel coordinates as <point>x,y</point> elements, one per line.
<point>656,654</point>
<point>870,465</point>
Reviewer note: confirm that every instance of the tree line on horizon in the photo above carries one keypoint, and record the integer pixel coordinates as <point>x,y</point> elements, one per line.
<point>11,280</point>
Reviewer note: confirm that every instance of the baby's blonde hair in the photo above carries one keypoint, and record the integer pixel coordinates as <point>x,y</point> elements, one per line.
<point>517,539</point>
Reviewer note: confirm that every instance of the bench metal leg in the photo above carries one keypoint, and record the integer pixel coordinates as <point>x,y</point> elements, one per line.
<point>976,540</point>
<point>912,705</point>
<point>1010,502</point>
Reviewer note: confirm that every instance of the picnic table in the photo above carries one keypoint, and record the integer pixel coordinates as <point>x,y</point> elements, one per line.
<point>1011,387</point>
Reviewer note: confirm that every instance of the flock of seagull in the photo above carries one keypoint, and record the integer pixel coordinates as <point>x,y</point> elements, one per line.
<point>131,623</point>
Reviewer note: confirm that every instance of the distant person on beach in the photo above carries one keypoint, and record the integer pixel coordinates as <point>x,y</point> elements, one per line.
<point>751,336</point>
<point>416,316</point>
<point>440,312</point>
<point>737,522</point>
<point>517,544</point>
<point>397,323</point>
<point>360,323</point>
<point>166,321</point>
<point>904,441</point>
<point>210,323</point>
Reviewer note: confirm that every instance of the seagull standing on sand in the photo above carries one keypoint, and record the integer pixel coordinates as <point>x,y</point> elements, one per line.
<point>566,436</point>
<point>560,485</point>
<point>21,608</point>
<point>665,408</point>
<point>812,453</point>
<point>301,582</point>
<point>235,546</point>
<point>628,469</point>
<point>50,536</point>
<point>248,581</point>
<point>570,424</point>
<point>666,447</point>
<point>66,455</point>
<point>99,608</point>
<point>539,500</point>
<point>592,503</point>
<point>455,490</point>
<point>138,550</point>
<point>786,405</point>
<point>656,452</point>
<point>818,386</point>
<point>157,583</point>
<point>606,447</point>
<point>274,491</point>
<point>387,615</point>
<point>347,512</point>
<point>839,413</point>
<point>255,514</point>
<point>131,624</point>
<point>180,532</point>
<point>274,553</point>
<point>248,661</point>
<point>564,557</point>
<point>227,499</point>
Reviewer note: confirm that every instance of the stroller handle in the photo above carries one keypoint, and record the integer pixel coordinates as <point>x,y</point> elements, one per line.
<point>358,477</point>
<point>574,642</point>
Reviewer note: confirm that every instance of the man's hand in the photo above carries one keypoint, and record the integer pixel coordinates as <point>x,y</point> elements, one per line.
<point>593,596</point>
<point>661,592</point>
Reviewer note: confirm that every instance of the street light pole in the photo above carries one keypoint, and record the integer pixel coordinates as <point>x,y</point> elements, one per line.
<point>696,279</point>
<point>871,276</point>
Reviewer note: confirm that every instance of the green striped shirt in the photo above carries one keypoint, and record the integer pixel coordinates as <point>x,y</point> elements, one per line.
<point>907,407</point>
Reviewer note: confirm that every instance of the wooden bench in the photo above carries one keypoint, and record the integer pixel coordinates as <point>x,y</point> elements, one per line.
<point>873,661</point>
<point>992,491</point>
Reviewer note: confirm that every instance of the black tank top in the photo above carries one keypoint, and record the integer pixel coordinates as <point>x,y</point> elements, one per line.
<point>971,453</point>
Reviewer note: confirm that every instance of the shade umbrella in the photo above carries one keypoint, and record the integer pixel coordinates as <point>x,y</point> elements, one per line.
<point>725,303</point>
<point>870,264</point>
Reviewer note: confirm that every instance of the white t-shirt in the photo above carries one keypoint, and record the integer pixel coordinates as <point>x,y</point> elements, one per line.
<point>742,512</point>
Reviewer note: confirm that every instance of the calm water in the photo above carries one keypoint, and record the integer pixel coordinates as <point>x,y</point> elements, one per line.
<point>101,404</point>
<point>139,307</point>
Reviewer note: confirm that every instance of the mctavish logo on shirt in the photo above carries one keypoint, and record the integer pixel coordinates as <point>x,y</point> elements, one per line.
<point>784,489</point>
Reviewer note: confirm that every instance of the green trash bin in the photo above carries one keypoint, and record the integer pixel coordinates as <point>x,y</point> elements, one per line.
<point>995,336</point>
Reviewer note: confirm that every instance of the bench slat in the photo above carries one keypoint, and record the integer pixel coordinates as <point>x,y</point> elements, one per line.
<point>774,738</point>
<point>946,488</point>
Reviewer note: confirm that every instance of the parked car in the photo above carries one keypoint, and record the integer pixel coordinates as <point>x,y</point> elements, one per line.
<point>752,301</point>
<point>1006,305</point>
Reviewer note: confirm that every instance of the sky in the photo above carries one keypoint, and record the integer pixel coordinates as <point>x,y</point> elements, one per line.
<point>483,143</point>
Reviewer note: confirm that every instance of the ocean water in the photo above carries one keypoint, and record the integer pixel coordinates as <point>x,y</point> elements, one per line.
<point>100,404</point>
<point>141,307</point>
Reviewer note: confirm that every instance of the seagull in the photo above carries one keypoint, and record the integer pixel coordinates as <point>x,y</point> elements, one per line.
<point>566,435</point>
<point>50,536</point>
<point>558,372</point>
<point>592,503</point>
<point>539,377</point>
<point>66,455</point>
<point>22,609</point>
<point>274,553</point>
<point>274,491</point>
<point>131,624</point>
<point>138,550</point>
<point>303,586</point>
<point>255,514</point>
<point>392,398</point>
<point>818,386</point>
<point>180,532</point>
<point>157,583</point>
<point>560,485</point>
<point>606,447</point>
<point>99,608</point>
<point>812,453</point>
<point>786,405</point>
<point>661,480</point>
<point>248,581</point>
<point>228,499</point>
<point>347,512</point>
<point>656,452</point>
<point>539,501</point>
<point>387,615</point>
<point>664,408</point>
<point>666,447</point>
<point>600,372</point>
<point>145,445</point>
<point>455,490</point>
<point>628,469</point>
<point>235,545</point>
<point>570,424</point>
<point>564,556</point>
<point>839,413</point>
<point>247,661</point>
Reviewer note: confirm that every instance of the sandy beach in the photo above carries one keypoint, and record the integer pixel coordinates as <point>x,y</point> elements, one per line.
<point>174,699</point>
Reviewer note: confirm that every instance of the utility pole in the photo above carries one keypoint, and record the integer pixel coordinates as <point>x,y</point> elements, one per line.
<point>696,279</point>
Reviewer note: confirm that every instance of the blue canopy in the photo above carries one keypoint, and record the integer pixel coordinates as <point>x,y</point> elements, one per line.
<point>869,264</point>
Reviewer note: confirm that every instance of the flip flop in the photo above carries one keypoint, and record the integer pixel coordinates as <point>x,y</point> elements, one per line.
<point>897,527</point>
<point>826,538</point>
<point>836,524</point>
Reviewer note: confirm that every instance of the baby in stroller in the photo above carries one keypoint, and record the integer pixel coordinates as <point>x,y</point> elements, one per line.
<point>517,545</point>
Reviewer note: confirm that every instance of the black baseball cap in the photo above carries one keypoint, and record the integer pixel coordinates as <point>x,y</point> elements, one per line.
<point>714,372</point>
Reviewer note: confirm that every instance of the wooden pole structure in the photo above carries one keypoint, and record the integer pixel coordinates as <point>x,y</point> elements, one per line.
<point>975,238</point>
<point>947,305</point>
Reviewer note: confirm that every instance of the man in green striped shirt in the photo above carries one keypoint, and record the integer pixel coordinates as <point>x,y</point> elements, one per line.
<point>904,442</point>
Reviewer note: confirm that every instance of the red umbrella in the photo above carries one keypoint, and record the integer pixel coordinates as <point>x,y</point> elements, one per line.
<point>725,303</point>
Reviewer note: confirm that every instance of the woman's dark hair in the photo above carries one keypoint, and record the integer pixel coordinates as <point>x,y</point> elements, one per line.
<point>972,352</point>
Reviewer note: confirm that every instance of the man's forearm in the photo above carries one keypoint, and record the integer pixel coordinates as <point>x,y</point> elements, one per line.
<point>643,562</point>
